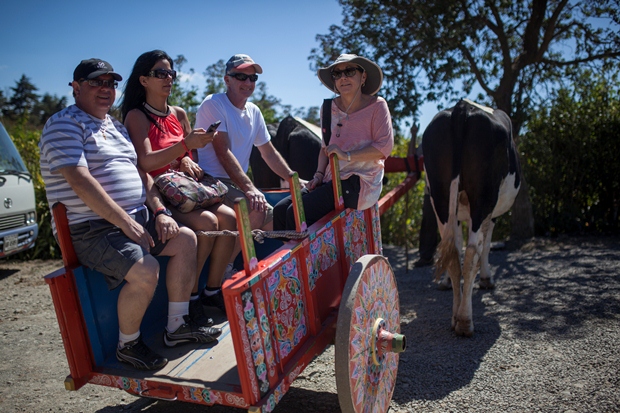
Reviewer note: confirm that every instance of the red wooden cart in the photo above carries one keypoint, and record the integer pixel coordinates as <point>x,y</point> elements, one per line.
<point>334,286</point>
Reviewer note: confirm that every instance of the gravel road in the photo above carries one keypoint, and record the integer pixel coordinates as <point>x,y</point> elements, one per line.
<point>547,339</point>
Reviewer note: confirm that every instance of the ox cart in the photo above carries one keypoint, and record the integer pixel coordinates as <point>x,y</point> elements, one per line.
<point>333,286</point>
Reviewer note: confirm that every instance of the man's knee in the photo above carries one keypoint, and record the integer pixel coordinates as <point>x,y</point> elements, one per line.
<point>261,219</point>
<point>185,242</point>
<point>144,274</point>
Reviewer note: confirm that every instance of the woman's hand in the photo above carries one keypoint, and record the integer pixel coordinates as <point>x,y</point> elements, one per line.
<point>191,168</point>
<point>333,148</point>
<point>199,138</point>
<point>317,180</point>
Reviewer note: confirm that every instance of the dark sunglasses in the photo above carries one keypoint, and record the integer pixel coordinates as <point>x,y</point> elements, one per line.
<point>163,73</point>
<point>348,72</point>
<point>113,84</point>
<point>242,77</point>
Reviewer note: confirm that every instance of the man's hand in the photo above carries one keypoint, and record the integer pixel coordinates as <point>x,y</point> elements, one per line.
<point>167,228</point>
<point>313,183</point>
<point>257,199</point>
<point>138,234</point>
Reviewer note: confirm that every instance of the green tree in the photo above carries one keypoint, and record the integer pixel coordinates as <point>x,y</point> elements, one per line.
<point>214,75</point>
<point>22,100</point>
<point>46,107</point>
<point>267,104</point>
<point>311,114</point>
<point>572,163</point>
<point>3,102</point>
<point>183,94</point>
<point>513,51</point>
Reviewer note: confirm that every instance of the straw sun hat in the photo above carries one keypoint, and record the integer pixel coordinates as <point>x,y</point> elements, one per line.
<point>374,75</point>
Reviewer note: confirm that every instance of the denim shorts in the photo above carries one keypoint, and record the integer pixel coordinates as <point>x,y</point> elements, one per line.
<point>103,247</point>
<point>234,193</point>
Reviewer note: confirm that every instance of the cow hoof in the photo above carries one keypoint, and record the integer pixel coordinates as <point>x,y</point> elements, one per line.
<point>486,284</point>
<point>445,284</point>
<point>464,328</point>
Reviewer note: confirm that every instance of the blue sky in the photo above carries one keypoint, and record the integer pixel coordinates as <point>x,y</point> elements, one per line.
<point>45,40</point>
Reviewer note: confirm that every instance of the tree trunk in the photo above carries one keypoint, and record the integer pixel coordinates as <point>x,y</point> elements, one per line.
<point>522,214</point>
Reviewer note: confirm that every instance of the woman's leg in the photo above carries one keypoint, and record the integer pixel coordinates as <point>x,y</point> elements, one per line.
<point>320,201</point>
<point>223,245</point>
<point>199,220</point>
<point>280,212</point>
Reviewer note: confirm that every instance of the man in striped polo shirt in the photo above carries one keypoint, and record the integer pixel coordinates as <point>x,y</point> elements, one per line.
<point>89,163</point>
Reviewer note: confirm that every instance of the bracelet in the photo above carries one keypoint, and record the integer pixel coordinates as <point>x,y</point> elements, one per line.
<point>348,156</point>
<point>319,172</point>
<point>184,145</point>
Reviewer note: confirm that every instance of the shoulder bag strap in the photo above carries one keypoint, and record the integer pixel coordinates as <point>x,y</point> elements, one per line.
<point>326,115</point>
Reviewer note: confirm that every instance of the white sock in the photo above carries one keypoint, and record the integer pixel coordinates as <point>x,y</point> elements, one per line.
<point>209,292</point>
<point>176,311</point>
<point>126,338</point>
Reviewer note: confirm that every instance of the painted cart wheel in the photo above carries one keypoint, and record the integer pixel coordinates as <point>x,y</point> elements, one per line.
<point>367,339</point>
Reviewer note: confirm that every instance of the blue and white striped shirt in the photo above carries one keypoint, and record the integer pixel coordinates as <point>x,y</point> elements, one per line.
<point>72,137</point>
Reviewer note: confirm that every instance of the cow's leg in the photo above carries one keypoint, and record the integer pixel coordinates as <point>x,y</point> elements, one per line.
<point>486,276</point>
<point>464,318</point>
<point>457,295</point>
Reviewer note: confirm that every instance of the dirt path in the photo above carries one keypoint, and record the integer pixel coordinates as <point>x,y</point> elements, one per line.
<point>547,339</point>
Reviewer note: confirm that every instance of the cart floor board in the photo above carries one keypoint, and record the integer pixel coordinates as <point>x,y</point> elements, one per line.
<point>207,365</point>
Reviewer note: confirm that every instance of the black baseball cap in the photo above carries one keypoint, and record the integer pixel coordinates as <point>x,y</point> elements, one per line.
<point>91,68</point>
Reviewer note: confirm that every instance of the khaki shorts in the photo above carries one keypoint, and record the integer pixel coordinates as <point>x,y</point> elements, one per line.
<point>103,247</point>
<point>234,192</point>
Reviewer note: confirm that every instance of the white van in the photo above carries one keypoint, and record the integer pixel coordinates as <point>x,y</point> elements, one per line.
<point>18,213</point>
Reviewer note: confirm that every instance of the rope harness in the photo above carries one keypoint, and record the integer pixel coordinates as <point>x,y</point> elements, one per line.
<point>258,235</point>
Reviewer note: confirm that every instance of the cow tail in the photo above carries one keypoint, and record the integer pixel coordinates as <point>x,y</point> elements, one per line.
<point>449,257</point>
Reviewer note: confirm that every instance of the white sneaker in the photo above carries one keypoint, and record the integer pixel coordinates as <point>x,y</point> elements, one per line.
<point>229,271</point>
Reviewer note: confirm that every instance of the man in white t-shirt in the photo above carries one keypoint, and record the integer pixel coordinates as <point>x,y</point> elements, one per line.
<point>242,127</point>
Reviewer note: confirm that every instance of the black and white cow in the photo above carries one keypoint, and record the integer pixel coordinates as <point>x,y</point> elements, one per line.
<point>298,142</point>
<point>473,175</point>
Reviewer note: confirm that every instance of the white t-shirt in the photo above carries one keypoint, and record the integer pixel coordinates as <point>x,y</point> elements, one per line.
<point>245,128</point>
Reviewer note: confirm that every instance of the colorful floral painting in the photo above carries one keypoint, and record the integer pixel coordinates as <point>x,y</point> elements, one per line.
<point>323,254</point>
<point>376,227</point>
<point>256,347</point>
<point>265,332</point>
<point>355,241</point>
<point>287,303</point>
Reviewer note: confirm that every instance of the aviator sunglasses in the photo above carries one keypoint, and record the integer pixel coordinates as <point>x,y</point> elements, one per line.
<point>348,72</point>
<point>242,77</point>
<point>163,73</point>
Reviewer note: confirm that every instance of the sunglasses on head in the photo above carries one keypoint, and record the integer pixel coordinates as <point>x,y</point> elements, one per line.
<point>113,84</point>
<point>163,73</point>
<point>242,77</point>
<point>348,72</point>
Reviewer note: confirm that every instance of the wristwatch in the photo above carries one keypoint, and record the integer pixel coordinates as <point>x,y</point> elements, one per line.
<point>162,210</point>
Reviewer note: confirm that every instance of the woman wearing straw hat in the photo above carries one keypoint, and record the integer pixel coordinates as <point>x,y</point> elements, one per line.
<point>361,136</point>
